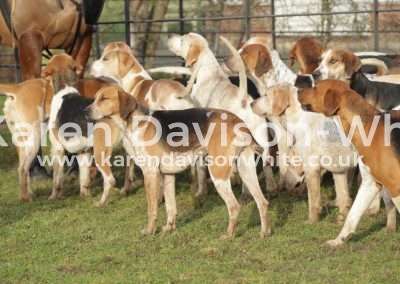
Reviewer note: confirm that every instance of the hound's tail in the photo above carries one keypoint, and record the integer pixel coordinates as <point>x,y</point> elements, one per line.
<point>380,65</point>
<point>242,71</point>
<point>8,90</point>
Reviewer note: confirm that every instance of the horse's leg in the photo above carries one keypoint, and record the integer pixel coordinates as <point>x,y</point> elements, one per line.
<point>30,47</point>
<point>81,51</point>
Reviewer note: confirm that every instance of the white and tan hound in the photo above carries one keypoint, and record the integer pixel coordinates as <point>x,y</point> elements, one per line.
<point>118,62</point>
<point>307,51</point>
<point>343,64</point>
<point>160,152</point>
<point>379,156</point>
<point>212,89</point>
<point>315,140</point>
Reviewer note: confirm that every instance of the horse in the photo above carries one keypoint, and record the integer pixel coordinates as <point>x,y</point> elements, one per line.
<point>34,26</point>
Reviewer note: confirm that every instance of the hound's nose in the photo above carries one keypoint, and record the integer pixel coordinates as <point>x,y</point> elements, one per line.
<point>304,81</point>
<point>87,109</point>
<point>316,74</point>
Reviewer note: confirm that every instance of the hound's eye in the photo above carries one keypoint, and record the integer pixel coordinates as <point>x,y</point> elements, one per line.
<point>103,99</point>
<point>105,58</point>
<point>332,61</point>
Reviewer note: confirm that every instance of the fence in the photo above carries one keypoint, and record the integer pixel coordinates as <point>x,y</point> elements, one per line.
<point>358,25</point>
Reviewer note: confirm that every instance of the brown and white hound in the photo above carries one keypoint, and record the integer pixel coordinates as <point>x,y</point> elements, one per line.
<point>217,135</point>
<point>307,51</point>
<point>342,64</point>
<point>118,62</point>
<point>377,140</point>
<point>213,89</point>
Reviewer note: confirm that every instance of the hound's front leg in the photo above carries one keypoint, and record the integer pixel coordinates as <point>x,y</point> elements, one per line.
<point>170,202</point>
<point>84,174</point>
<point>152,187</point>
<point>57,153</point>
<point>366,193</point>
<point>313,180</point>
<point>343,199</point>
<point>390,211</point>
<point>129,183</point>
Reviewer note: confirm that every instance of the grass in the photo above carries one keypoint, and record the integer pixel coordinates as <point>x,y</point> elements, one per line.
<point>72,241</point>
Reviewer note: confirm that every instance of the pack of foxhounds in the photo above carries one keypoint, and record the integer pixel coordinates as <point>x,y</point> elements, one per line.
<point>340,106</point>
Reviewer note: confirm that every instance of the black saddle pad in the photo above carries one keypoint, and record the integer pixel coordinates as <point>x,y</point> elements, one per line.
<point>92,10</point>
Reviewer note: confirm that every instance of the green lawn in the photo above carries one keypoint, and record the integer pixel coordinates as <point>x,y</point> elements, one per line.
<point>73,241</point>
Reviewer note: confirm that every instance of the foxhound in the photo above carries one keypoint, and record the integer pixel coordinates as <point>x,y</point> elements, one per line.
<point>265,68</point>
<point>217,134</point>
<point>379,154</point>
<point>71,130</point>
<point>318,152</point>
<point>212,89</point>
<point>307,51</point>
<point>344,65</point>
<point>118,62</point>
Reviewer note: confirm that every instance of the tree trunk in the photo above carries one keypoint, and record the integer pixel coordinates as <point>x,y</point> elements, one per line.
<point>139,11</point>
<point>154,28</point>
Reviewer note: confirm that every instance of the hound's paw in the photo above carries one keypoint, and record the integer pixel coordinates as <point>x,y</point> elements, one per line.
<point>334,243</point>
<point>147,231</point>
<point>340,218</point>
<point>55,196</point>
<point>28,198</point>
<point>389,229</point>
<point>226,236</point>
<point>168,228</point>
<point>265,234</point>
<point>85,194</point>
<point>100,203</point>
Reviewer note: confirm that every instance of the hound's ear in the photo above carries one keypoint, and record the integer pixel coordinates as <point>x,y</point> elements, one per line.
<point>292,55</point>
<point>127,104</point>
<point>331,102</point>
<point>352,63</point>
<point>47,71</point>
<point>264,62</point>
<point>279,104</point>
<point>192,55</point>
<point>79,69</point>
<point>125,62</point>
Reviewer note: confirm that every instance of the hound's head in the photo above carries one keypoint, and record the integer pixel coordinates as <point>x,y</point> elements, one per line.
<point>338,64</point>
<point>117,45</point>
<point>256,58</point>
<point>188,46</point>
<point>276,100</point>
<point>326,97</point>
<point>112,101</point>
<point>116,62</point>
<point>62,70</point>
